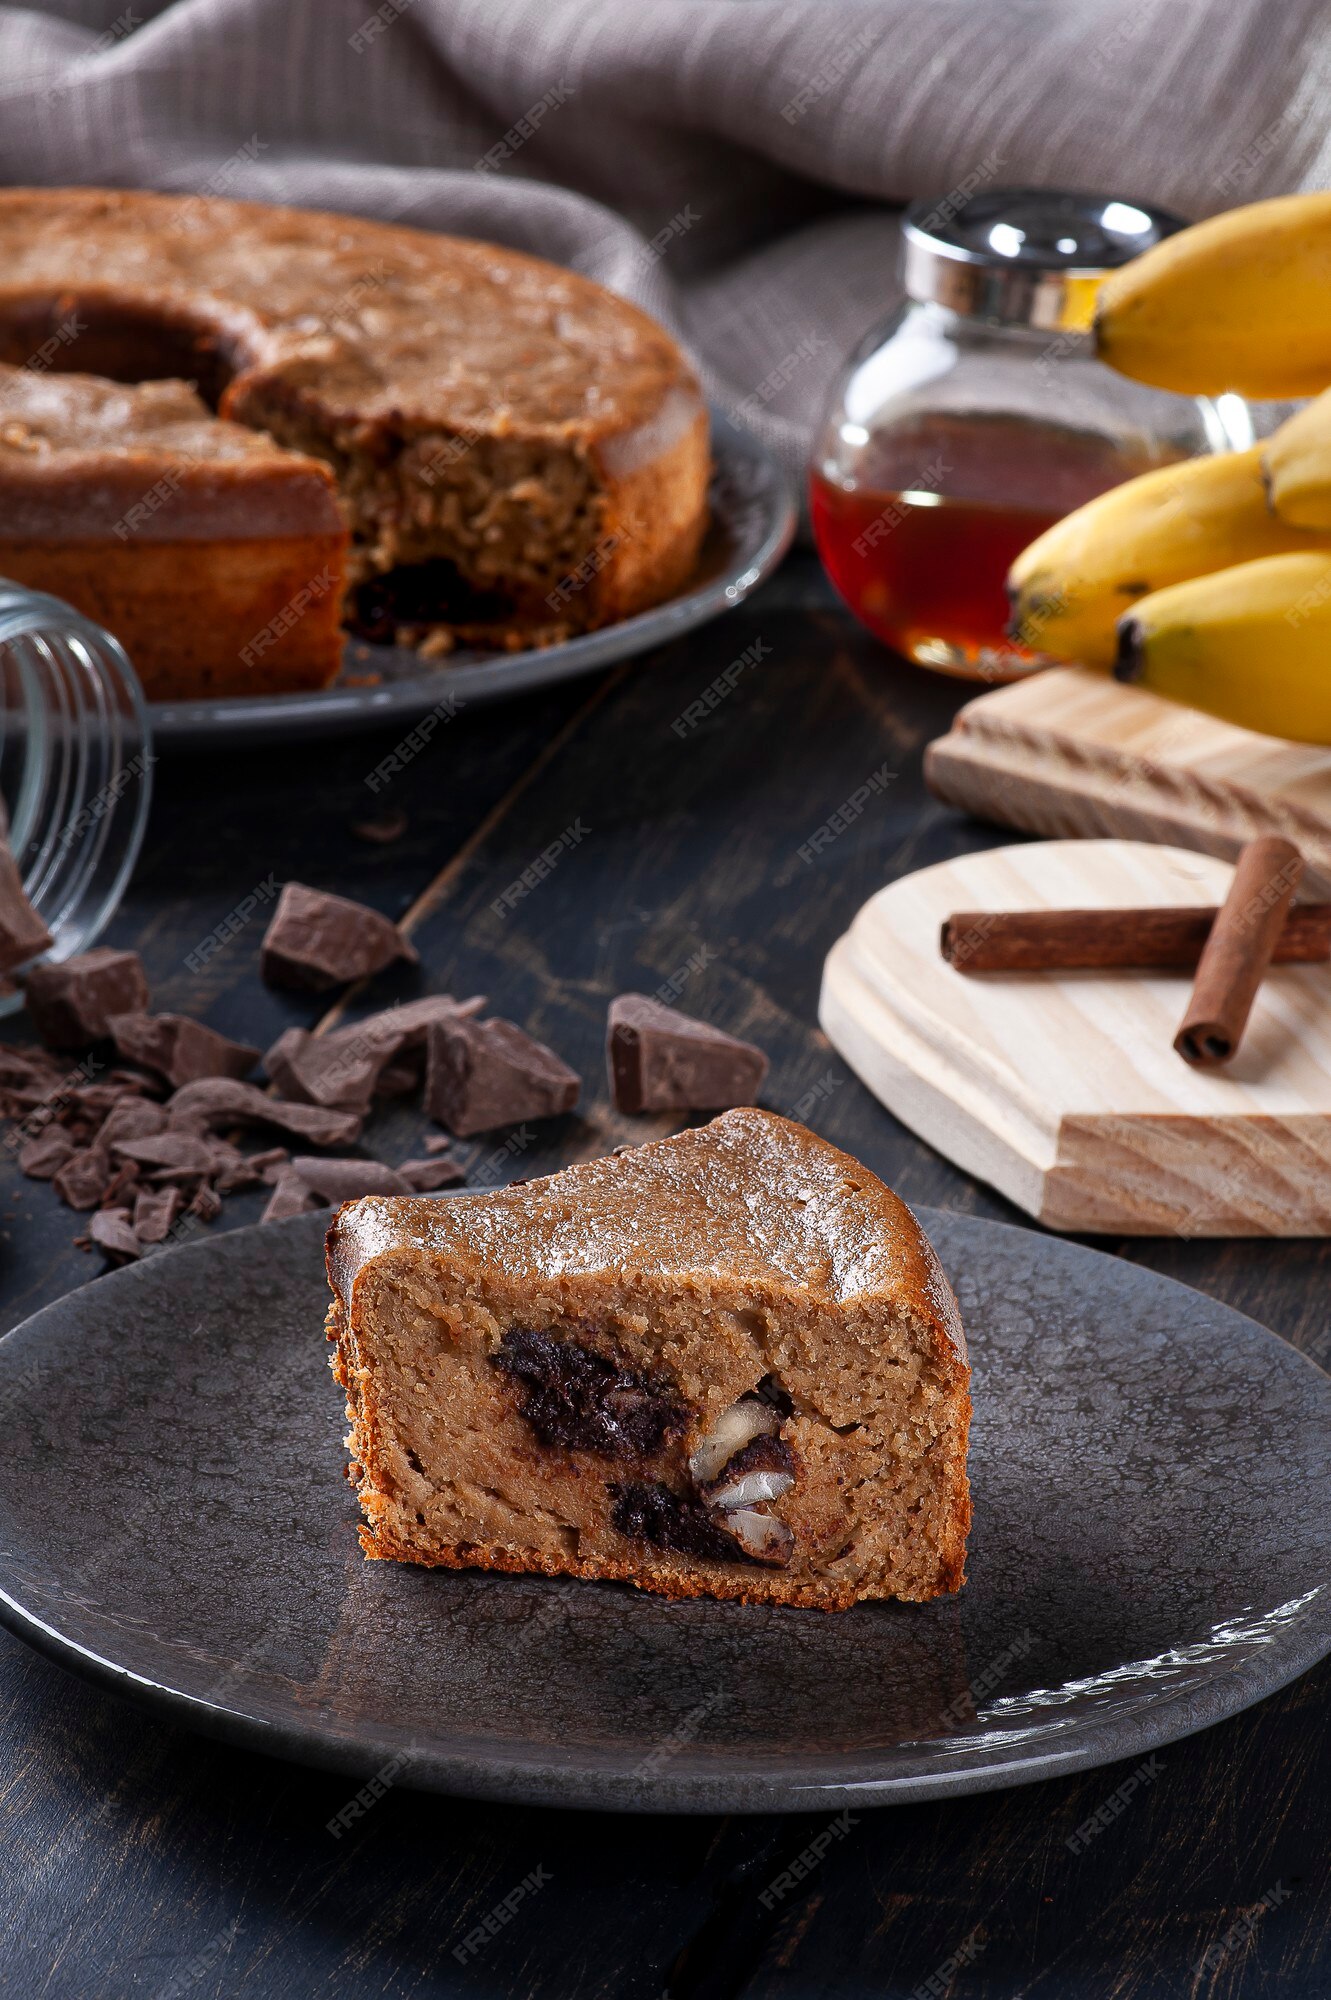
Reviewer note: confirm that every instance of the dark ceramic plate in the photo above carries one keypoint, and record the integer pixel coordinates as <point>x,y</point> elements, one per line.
<point>1152,1518</point>
<point>753,515</point>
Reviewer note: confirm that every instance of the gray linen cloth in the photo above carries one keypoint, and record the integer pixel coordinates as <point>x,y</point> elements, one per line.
<point>732,165</point>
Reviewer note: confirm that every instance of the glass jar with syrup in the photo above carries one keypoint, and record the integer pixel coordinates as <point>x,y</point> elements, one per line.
<point>979,415</point>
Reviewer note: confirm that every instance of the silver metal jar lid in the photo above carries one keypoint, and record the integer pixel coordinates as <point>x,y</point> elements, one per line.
<point>1024,256</point>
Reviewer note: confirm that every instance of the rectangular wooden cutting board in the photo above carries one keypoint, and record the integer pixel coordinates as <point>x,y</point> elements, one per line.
<point>1073,753</point>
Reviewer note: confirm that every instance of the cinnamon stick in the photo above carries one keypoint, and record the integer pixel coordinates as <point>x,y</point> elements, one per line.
<point>1094,940</point>
<point>1239,950</point>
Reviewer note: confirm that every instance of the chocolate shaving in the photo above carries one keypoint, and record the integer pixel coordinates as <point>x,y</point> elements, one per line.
<point>155,1211</point>
<point>346,1180</point>
<point>111,1230</point>
<point>24,1071</point>
<point>206,1204</point>
<point>481,1074</point>
<point>232,1172</point>
<point>661,1060</point>
<point>132,1118</point>
<point>80,1181</point>
<point>316,941</point>
<point>181,1152</point>
<point>133,1081</point>
<point>71,1004</point>
<point>41,1158</point>
<point>290,1196</point>
<point>94,1100</point>
<point>221,1101</point>
<point>124,1180</point>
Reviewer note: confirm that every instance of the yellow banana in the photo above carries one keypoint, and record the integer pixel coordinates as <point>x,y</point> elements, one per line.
<point>1072,584</point>
<point>1297,464</point>
<point>1236,302</point>
<point>1252,645</point>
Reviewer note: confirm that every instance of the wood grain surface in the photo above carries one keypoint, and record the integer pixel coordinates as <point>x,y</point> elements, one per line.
<point>1074,752</point>
<point>1064,1090</point>
<point>722,860</point>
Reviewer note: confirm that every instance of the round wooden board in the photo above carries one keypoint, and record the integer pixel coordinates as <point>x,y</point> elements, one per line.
<point>1062,1089</point>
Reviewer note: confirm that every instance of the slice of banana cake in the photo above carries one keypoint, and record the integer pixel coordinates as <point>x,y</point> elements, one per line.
<point>724,1364</point>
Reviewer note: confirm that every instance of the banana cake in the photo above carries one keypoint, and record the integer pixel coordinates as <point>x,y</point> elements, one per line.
<point>516,453</point>
<point>725,1364</point>
<point>215,557</point>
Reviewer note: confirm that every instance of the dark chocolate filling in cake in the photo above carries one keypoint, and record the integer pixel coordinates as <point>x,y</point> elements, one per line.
<point>571,1395</point>
<point>652,1513</point>
<point>420,594</point>
<point>577,1398</point>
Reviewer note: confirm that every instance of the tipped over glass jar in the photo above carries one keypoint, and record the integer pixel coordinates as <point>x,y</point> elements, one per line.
<point>75,768</point>
<point>979,415</point>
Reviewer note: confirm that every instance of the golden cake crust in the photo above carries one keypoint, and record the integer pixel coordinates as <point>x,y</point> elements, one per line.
<point>684,1206</point>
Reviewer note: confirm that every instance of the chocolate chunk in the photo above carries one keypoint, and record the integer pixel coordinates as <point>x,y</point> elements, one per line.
<point>316,941</point>
<point>111,1230</point>
<point>383,829</point>
<point>652,1513</point>
<point>397,1029</point>
<point>269,1165</point>
<point>290,1196</point>
<point>155,1211</point>
<point>80,1181</point>
<point>135,1082</point>
<point>575,1397</point>
<point>206,1203</point>
<point>349,1067</point>
<point>71,1004</point>
<point>481,1074</point>
<point>43,1094</point>
<point>437,1142</point>
<point>232,1172</point>
<point>428,1176</point>
<point>132,1118</point>
<point>24,1068</point>
<point>345,1180</point>
<point>181,1050</point>
<point>23,935</point>
<point>42,1158</point>
<point>331,1070</point>
<point>122,1183</point>
<point>399,1079</point>
<point>93,1100</point>
<point>221,1101</point>
<point>660,1060</point>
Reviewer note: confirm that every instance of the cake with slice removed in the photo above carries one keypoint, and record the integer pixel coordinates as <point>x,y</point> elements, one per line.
<point>726,1364</point>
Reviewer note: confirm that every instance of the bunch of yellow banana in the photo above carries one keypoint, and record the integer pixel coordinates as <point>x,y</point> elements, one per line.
<point>1215,572</point>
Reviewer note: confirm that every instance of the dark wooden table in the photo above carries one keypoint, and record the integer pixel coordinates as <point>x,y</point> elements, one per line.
<point>140,1860</point>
